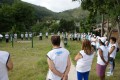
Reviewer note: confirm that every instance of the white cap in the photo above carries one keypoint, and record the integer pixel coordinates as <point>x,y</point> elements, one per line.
<point>106,42</point>
<point>93,39</point>
<point>102,39</point>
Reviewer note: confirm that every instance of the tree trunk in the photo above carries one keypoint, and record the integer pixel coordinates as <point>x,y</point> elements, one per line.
<point>110,34</point>
<point>118,26</point>
<point>107,27</point>
<point>102,25</point>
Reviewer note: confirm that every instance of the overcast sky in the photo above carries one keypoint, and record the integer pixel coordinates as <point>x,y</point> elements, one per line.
<point>55,5</point>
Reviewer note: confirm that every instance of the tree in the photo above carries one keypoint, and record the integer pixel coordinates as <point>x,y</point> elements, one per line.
<point>109,9</point>
<point>24,16</point>
<point>66,26</point>
<point>6,18</point>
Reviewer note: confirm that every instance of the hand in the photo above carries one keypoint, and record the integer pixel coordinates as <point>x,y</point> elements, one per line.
<point>107,62</point>
<point>65,77</point>
<point>62,75</point>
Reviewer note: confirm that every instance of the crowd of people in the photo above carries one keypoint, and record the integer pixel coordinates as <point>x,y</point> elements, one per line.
<point>59,58</point>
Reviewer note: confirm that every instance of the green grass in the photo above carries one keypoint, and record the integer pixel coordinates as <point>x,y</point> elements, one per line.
<point>75,46</point>
<point>29,63</point>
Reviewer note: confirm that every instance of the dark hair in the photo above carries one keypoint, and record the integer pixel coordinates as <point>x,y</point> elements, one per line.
<point>113,39</point>
<point>55,40</point>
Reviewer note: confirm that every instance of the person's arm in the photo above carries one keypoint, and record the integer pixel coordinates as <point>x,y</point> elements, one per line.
<point>101,55</point>
<point>67,69</point>
<point>9,64</point>
<point>52,68</point>
<point>77,57</point>
<point>111,50</point>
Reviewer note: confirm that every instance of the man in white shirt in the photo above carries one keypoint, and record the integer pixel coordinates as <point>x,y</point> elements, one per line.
<point>22,36</point>
<point>47,35</point>
<point>1,36</point>
<point>112,53</point>
<point>30,36</point>
<point>15,36</point>
<point>26,36</point>
<point>58,61</point>
<point>6,64</point>
<point>40,36</point>
<point>7,37</point>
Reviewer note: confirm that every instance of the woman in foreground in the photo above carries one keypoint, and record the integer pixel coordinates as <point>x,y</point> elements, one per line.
<point>84,60</point>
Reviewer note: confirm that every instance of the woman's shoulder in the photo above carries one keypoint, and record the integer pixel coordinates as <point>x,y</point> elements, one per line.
<point>4,52</point>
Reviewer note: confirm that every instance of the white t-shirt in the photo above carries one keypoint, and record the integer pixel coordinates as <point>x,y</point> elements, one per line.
<point>84,64</point>
<point>26,35</point>
<point>105,55</point>
<point>1,35</point>
<point>75,35</point>
<point>6,36</point>
<point>30,35</point>
<point>40,34</point>
<point>113,54</point>
<point>59,56</point>
<point>46,33</point>
<point>15,35</point>
<point>4,56</point>
<point>22,35</point>
<point>97,44</point>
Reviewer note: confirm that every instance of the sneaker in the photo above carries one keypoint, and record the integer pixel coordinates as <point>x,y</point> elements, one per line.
<point>109,73</point>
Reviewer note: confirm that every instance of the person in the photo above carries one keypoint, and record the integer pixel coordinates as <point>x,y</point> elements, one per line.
<point>102,59</point>
<point>1,36</point>
<point>58,61</point>
<point>47,35</point>
<point>84,60</point>
<point>79,36</point>
<point>6,64</point>
<point>26,36</point>
<point>7,37</point>
<point>75,36</point>
<point>58,33</point>
<point>112,54</point>
<point>40,36</point>
<point>30,36</point>
<point>70,36</point>
<point>15,36</point>
<point>22,36</point>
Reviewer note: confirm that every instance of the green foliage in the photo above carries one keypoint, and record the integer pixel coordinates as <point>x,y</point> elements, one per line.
<point>54,27</point>
<point>66,26</point>
<point>6,18</point>
<point>24,16</point>
<point>73,14</point>
<point>18,14</point>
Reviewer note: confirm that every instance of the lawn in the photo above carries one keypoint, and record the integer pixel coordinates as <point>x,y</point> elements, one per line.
<point>75,46</point>
<point>29,63</point>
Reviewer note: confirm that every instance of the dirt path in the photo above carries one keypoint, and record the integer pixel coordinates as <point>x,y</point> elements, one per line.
<point>72,74</point>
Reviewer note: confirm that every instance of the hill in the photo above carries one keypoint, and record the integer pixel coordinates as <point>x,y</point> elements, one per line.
<point>76,14</point>
<point>43,13</point>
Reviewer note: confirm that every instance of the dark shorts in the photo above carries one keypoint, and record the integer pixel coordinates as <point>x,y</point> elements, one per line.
<point>100,69</point>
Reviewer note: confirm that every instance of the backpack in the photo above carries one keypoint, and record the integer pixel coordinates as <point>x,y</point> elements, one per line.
<point>117,49</point>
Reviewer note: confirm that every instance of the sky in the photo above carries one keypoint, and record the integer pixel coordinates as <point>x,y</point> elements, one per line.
<point>55,5</point>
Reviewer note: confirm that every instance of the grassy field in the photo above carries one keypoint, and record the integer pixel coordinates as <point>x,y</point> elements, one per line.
<point>75,47</point>
<point>29,63</point>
